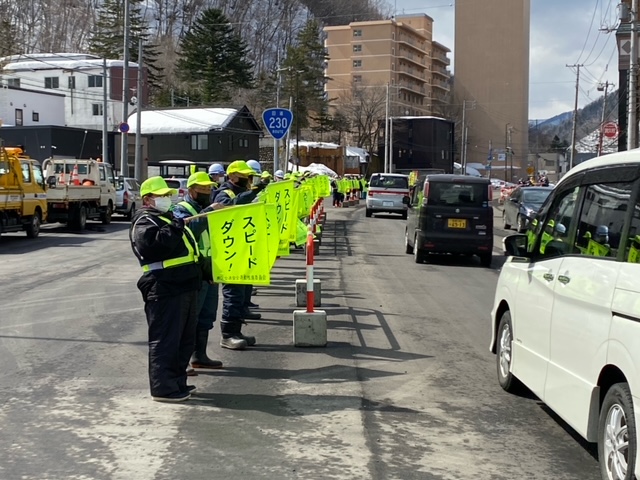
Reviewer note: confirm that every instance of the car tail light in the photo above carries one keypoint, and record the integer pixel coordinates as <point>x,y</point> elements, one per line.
<point>490,188</point>
<point>182,192</point>
<point>125,198</point>
<point>426,190</point>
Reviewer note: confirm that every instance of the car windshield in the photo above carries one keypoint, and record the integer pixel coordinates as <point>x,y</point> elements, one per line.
<point>387,181</point>
<point>457,194</point>
<point>535,196</point>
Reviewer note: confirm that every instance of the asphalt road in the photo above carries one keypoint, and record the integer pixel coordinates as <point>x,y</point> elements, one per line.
<point>406,388</point>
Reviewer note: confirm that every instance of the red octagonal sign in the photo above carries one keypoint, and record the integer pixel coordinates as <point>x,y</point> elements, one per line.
<point>610,130</point>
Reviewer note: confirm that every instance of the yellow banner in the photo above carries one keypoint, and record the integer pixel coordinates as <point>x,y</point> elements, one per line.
<point>281,195</point>
<point>240,245</point>
<point>293,217</point>
<point>273,232</point>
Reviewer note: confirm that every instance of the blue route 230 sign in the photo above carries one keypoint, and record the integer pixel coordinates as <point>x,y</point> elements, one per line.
<point>278,121</point>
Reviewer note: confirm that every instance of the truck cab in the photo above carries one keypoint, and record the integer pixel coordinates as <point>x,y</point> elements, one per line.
<point>23,195</point>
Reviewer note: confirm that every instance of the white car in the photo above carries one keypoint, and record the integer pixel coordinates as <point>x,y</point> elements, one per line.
<point>566,316</point>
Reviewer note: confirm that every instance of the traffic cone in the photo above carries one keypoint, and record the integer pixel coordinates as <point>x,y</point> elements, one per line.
<point>61,180</point>
<point>75,179</point>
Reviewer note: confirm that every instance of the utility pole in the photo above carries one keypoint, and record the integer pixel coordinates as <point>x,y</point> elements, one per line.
<point>604,88</point>
<point>391,144</point>
<point>510,150</point>
<point>632,124</point>
<point>105,105</point>
<point>575,116</point>
<point>386,133</point>
<point>463,134</point>
<point>138,155</point>
<point>506,150</point>
<point>124,150</point>
<point>276,142</point>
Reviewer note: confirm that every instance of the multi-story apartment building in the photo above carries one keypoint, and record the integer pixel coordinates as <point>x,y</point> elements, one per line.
<point>397,52</point>
<point>492,70</point>
<point>80,78</point>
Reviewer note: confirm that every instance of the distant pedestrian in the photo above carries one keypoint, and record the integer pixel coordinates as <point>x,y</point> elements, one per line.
<point>168,254</point>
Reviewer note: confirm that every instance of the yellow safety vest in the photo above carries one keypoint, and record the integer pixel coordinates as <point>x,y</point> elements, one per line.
<point>191,257</point>
<point>231,194</point>
<point>205,242</point>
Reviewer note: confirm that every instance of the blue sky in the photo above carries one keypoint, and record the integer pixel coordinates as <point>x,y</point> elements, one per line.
<point>563,32</point>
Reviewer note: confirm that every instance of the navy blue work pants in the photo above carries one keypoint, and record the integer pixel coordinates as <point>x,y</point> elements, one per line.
<point>207,307</point>
<point>172,331</point>
<point>233,307</point>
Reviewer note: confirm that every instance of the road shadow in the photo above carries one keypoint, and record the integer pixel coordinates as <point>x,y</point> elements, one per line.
<point>590,448</point>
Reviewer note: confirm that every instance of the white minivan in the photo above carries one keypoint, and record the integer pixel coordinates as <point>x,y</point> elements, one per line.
<point>566,316</point>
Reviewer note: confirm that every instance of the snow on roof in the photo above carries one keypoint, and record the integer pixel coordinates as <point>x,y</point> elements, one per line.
<point>184,120</point>
<point>358,152</point>
<point>63,61</point>
<point>422,117</point>
<point>307,144</point>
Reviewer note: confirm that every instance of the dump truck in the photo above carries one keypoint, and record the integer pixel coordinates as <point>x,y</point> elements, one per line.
<point>79,190</point>
<point>23,194</point>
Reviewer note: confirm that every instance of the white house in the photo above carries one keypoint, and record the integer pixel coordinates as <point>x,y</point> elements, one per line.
<point>80,78</point>
<point>23,107</point>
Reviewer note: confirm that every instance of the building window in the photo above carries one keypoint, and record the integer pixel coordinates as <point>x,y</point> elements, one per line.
<point>35,116</point>
<point>357,48</point>
<point>357,33</point>
<point>72,82</point>
<point>243,142</point>
<point>51,82</point>
<point>357,78</point>
<point>357,63</point>
<point>19,118</point>
<point>95,81</point>
<point>13,82</point>
<point>393,66</point>
<point>97,109</point>
<point>200,142</point>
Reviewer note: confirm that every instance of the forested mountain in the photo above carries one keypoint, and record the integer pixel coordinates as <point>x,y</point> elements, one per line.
<point>542,132</point>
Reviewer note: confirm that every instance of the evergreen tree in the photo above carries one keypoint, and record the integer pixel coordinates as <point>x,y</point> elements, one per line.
<point>107,39</point>
<point>305,77</point>
<point>8,34</point>
<point>214,58</point>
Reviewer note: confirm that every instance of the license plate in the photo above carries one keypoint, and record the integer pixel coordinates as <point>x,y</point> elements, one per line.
<point>457,223</point>
<point>387,204</point>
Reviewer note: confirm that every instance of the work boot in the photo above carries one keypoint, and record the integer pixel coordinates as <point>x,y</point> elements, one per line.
<point>251,340</point>
<point>199,358</point>
<point>233,343</point>
<point>248,315</point>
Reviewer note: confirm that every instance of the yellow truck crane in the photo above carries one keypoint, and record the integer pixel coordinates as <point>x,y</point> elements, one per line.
<point>23,195</point>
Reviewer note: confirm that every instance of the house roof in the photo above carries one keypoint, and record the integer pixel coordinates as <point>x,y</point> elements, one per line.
<point>184,120</point>
<point>52,61</point>
<point>361,153</point>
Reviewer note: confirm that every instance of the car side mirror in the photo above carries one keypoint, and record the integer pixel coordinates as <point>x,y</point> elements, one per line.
<point>406,200</point>
<point>514,200</point>
<point>515,245</point>
<point>51,181</point>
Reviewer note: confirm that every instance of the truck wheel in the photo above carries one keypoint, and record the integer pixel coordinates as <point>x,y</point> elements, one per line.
<point>106,215</point>
<point>79,220</point>
<point>33,229</point>
<point>131,212</point>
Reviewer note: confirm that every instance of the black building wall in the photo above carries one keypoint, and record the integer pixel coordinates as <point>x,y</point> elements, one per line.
<point>420,143</point>
<point>48,141</point>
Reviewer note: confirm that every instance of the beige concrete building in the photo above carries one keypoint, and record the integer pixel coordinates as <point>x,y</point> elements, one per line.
<point>400,53</point>
<point>492,69</point>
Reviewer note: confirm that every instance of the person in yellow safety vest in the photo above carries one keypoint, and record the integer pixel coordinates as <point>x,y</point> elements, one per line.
<point>634,249</point>
<point>549,234</point>
<point>598,243</point>
<point>168,254</point>
<point>196,201</point>
<point>236,191</point>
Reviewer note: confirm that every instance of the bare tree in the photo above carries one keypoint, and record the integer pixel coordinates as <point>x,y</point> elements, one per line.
<point>363,106</point>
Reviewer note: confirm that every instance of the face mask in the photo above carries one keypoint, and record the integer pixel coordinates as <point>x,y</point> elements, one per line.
<point>162,204</point>
<point>203,199</point>
<point>242,182</point>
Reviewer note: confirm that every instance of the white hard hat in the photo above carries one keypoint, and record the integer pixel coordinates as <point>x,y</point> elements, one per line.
<point>279,174</point>
<point>255,165</point>
<point>216,169</point>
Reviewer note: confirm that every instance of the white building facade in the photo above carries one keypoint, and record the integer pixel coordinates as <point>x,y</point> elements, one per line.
<point>20,107</point>
<point>80,79</point>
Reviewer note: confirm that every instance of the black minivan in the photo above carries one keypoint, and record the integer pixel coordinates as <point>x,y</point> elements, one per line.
<point>450,214</point>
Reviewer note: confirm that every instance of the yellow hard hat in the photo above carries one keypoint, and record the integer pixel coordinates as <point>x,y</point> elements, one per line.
<point>265,174</point>
<point>199,178</point>
<point>240,166</point>
<point>156,186</point>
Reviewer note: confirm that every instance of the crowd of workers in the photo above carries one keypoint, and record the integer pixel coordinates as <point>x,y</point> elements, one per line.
<point>172,244</point>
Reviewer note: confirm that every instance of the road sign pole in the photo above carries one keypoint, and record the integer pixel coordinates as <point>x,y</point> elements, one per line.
<point>278,122</point>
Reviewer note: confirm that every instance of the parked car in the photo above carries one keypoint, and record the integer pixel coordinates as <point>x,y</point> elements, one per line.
<point>522,205</point>
<point>128,198</point>
<point>179,184</point>
<point>505,191</point>
<point>450,214</point>
<point>566,315</point>
<point>386,194</point>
